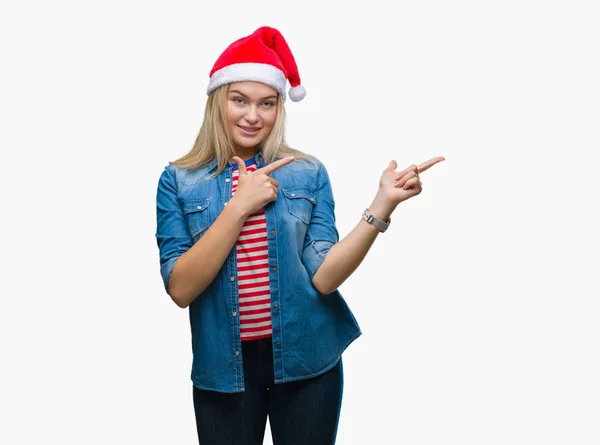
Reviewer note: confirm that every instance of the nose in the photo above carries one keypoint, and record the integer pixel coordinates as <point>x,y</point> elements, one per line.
<point>251,115</point>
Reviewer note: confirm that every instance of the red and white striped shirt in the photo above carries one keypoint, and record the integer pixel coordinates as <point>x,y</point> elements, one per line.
<point>253,273</point>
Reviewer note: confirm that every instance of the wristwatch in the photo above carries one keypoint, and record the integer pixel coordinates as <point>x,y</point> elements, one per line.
<point>379,224</point>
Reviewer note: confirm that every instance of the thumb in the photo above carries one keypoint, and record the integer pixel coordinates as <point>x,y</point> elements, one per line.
<point>241,165</point>
<point>393,165</point>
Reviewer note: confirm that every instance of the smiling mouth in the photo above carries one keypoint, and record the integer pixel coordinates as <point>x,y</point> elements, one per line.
<point>249,128</point>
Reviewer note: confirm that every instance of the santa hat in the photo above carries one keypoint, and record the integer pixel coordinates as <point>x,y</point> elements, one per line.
<point>263,56</point>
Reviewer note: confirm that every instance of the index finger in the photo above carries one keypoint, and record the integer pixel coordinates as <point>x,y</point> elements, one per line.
<point>241,165</point>
<point>268,169</point>
<point>428,164</point>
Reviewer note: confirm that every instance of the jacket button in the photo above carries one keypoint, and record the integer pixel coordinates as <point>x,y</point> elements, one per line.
<point>273,232</point>
<point>227,179</point>
<point>232,278</point>
<point>199,207</point>
<point>237,353</point>
<point>234,313</point>
<point>274,269</point>
<point>278,345</point>
<point>276,306</point>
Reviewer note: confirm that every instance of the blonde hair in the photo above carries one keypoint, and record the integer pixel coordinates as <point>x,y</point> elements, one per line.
<point>214,141</point>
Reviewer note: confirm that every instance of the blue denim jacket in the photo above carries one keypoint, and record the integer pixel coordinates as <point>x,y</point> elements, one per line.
<point>310,330</point>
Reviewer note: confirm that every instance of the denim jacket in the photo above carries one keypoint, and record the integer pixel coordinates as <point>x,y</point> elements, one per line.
<point>310,329</point>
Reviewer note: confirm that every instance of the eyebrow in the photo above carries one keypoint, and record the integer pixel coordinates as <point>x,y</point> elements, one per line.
<point>262,98</point>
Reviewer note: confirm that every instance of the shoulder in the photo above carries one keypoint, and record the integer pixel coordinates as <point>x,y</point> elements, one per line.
<point>183,176</point>
<point>302,173</point>
<point>303,163</point>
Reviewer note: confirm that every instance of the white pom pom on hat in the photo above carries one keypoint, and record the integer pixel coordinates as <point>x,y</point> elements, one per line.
<point>297,93</point>
<point>263,56</point>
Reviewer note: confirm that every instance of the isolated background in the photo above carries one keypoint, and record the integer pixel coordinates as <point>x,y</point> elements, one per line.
<point>479,306</point>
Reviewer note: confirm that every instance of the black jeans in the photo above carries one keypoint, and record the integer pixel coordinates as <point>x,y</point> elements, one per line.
<point>304,412</point>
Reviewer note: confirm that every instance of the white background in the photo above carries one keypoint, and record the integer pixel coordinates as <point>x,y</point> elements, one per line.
<point>480,306</point>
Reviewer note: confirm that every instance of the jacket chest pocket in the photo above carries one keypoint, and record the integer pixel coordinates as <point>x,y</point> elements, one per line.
<point>195,212</point>
<point>300,202</point>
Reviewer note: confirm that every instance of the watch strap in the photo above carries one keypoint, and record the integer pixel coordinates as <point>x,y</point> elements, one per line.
<point>377,223</point>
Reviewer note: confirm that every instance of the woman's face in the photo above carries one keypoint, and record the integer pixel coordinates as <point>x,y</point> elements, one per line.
<point>251,113</point>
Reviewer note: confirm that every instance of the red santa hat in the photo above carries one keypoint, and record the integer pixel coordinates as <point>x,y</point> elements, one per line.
<point>263,56</point>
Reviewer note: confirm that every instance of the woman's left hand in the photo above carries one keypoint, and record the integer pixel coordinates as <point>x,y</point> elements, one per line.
<point>396,187</point>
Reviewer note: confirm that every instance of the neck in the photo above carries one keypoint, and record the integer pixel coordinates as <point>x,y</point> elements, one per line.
<point>246,153</point>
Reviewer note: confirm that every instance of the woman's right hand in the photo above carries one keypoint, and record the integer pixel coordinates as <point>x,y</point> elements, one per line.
<point>256,189</point>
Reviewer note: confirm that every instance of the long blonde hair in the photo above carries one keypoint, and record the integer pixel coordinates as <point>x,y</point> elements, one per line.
<point>214,140</point>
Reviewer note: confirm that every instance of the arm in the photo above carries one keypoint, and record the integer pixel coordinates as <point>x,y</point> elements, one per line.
<point>197,268</point>
<point>341,259</point>
<point>187,268</point>
<point>345,256</point>
<point>329,262</point>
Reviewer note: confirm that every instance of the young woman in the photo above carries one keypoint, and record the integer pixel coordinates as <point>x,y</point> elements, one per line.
<point>248,242</point>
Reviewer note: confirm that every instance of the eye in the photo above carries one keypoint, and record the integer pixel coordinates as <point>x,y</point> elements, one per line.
<point>268,104</point>
<point>238,100</point>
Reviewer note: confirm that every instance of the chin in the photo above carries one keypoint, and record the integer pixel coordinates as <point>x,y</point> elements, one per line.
<point>247,144</point>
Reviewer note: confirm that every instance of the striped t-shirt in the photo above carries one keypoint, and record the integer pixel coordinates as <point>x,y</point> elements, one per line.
<point>253,271</point>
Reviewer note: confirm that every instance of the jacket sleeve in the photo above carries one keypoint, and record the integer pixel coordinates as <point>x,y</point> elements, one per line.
<point>172,235</point>
<point>322,232</point>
